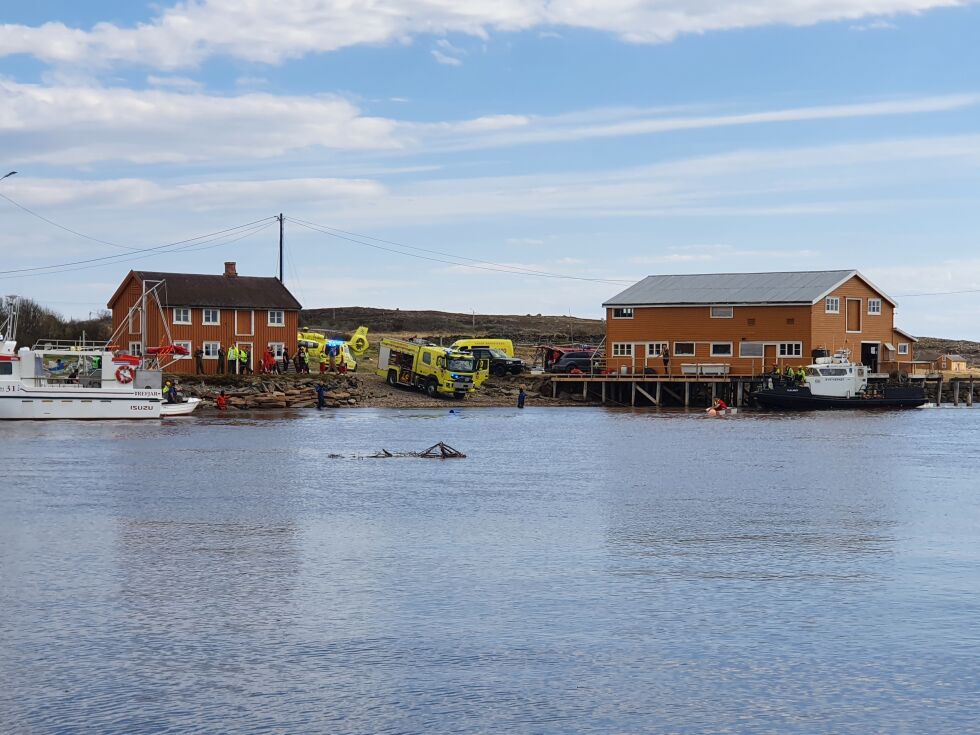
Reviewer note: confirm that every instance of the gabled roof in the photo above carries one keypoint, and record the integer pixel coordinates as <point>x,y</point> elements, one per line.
<point>736,289</point>
<point>955,358</point>
<point>906,334</point>
<point>220,291</point>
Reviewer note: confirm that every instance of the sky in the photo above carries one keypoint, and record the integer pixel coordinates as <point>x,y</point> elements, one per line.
<point>496,156</point>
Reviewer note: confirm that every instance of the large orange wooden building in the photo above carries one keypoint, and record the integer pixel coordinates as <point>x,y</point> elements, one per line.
<point>211,312</point>
<point>745,323</point>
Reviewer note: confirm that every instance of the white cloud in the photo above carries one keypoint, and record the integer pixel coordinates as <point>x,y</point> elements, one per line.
<point>444,59</point>
<point>509,130</point>
<point>876,25</point>
<point>78,125</point>
<point>178,83</point>
<point>270,31</point>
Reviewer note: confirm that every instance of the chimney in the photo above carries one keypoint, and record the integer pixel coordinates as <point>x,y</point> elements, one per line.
<point>230,270</point>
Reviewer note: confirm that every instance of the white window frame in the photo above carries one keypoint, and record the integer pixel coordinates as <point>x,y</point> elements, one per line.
<point>282,316</point>
<point>622,349</point>
<point>760,345</point>
<point>204,317</point>
<point>731,349</point>
<point>136,348</point>
<point>694,349</point>
<point>789,349</point>
<point>276,349</point>
<point>180,309</point>
<point>184,343</point>
<point>217,349</point>
<point>134,324</point>
<point>655,349</point>
<point>622,312</point>
<point>835,309</point>
<point>903,348</point>
<point>722,315</point>
<point>874,307</point>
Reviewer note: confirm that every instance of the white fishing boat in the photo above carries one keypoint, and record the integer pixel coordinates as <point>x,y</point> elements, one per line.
<point>68,380</point>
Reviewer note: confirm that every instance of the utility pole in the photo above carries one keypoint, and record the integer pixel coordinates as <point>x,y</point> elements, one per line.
<point>280,218</point>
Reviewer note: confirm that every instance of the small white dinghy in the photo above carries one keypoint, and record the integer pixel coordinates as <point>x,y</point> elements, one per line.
<point>184,408</point>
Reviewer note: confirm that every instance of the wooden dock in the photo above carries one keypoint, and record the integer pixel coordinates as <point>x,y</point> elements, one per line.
<point>623,389</point>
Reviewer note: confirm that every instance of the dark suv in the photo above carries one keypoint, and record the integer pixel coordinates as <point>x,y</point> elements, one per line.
<point>500,362</point>
<point>585,360</point>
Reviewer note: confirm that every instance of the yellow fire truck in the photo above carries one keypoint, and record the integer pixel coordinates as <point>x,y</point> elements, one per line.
<point>430,368</point>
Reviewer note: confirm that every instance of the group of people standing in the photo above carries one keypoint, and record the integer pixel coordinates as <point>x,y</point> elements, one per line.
<point>237,360</point>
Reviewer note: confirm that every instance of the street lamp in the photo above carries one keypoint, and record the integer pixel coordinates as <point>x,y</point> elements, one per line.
<point>7,175</point>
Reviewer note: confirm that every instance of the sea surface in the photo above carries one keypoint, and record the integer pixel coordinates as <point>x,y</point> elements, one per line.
<point>581,571</point>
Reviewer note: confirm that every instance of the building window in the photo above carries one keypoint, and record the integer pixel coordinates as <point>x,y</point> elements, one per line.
<point>832,305</point>
<point>722,312</point>
<point>903,348</point>
<point>182,315</point>
<point>276,349</point>
<point>134,321</point>
<point>277,318</point>
<point>683,349</point>
<point>622,313</point>
<point>790,349</point>
<point>721,349</point>
<point>211,350</point>
<point>187,346</point>
<point>136,348</point>
<point>874,307</point>
<point>751,349</point>
<point>656,349</point>
<point>750,321</point>
<point>211,317</point>
<point>622,349</point>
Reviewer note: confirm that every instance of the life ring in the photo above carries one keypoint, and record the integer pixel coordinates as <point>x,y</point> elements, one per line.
<point>125,374</point>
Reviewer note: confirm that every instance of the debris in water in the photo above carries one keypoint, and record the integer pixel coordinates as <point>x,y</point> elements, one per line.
<point>436,451</point>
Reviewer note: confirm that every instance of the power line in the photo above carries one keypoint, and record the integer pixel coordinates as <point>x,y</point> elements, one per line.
<point>62,227</point>
<point>937,293</point>
<point>193,247</point>
<point>473,263</point>
<point>121,258</point>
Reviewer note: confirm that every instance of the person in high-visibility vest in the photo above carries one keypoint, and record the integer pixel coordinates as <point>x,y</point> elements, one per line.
<point>233,360</point>
<point>801,375</point>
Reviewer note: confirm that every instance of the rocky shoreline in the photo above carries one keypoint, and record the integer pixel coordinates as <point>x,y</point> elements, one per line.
<point>356,390</point>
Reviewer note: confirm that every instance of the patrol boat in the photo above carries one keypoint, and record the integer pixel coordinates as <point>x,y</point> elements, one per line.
<point>833,381</point>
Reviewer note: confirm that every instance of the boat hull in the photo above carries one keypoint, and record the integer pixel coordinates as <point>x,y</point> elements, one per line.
<point>80,404</point>
<point>800,398</point>
<point>180,409</point>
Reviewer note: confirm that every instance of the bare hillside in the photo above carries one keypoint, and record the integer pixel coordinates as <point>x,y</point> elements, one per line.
<point>527,328</point>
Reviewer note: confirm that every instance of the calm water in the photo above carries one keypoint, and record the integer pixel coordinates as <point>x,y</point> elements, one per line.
<point>582,571</point>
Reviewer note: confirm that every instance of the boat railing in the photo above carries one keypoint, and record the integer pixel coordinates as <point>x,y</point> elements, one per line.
<point>69,345</point>
<point>82,381</point>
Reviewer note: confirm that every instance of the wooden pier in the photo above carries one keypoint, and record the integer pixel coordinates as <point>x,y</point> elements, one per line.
<point>622,389</point>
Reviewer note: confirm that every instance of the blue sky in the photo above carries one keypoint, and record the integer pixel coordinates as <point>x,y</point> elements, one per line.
<point>598,141</point>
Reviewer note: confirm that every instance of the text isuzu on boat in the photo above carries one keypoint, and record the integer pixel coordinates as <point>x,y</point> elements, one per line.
<point>836,382</point>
